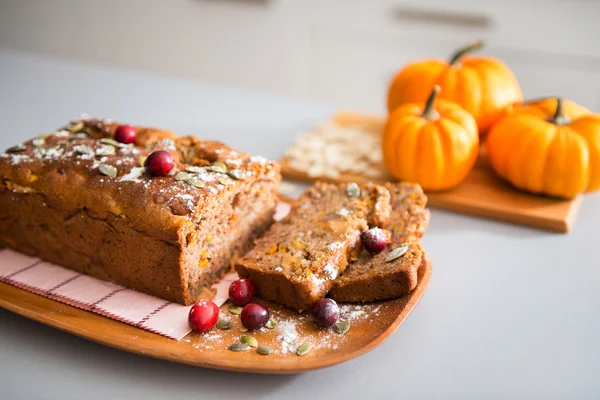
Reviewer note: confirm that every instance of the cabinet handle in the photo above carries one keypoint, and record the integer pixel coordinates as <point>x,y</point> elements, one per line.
<point>458,19</point>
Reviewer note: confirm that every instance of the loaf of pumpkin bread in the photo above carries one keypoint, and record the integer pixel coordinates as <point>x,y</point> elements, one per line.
<point>298,259</point>
<point>393,272</point>
<point>78,198</point>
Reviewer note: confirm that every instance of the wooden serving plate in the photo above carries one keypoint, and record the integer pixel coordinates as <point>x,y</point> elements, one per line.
<point>481,194</point>
<point>371,324</point>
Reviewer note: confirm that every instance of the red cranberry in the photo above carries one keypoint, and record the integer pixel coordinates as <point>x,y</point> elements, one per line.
<point>159,163</point>
<point>325,313</point>
<point>254,316</point>
<point>125,134</point>
<point>241,292</point>
<point>203,316</point>
<point>375,240</point>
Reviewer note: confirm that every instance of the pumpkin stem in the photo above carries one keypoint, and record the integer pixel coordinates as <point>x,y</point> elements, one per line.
<point>464,50</point>
<point>559,117</point>
<point>429,112</point>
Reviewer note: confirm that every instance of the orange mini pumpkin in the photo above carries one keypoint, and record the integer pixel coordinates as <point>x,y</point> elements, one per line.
<point>433,146</point>
<point>484,86</point>
<point>550,146</point>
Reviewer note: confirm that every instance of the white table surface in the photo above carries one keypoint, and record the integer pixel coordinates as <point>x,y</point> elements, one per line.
<point>510,313</point>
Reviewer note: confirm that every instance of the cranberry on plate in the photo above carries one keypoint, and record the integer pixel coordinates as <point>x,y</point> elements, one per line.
<point>254,316</point>
<point>241,292</point>
<point>159,163</point>
<point>375,240</point>
<point>203,316</point>
<point>325,313</point>
<point>125,134</point>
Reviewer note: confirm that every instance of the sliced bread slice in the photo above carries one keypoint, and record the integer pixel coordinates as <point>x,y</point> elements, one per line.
<point>382,277</point>
<point>297,260</point>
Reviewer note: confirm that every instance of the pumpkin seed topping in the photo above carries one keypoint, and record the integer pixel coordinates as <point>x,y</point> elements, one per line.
<point>217,166</point>
<point>220,165</point>
<point>38,142</point>
<point>342,327</point>
<point>243,329</point>
<point>84,150</point>
<point>75,127</point>
<point>304,348</point>
<point>108,170</point>
<point>249,340</point>
<point>224,181</point>
<point>113,142</point>
<point>195,182</point>
<point>272,324</point>
<point>194,169</point>
<point>16,149</point>
<point>223,324</point>
<point>264,350</point>
<point>352,190</point>
<point>106,150</point>
<point>236,310</point>
<point>236,174</point>
<point>182,176</point>
<point>396,253</point>
<point>239,347</point>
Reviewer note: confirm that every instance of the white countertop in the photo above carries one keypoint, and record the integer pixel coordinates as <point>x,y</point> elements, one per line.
<point>510,313</point>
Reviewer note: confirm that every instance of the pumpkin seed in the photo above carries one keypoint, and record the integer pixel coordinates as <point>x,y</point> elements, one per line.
<point>342,327</point>
<point>304,348</point>
<point>264,350</point>
<point>16,149</point>
<point>38,142</point>
<point>223,324</point>
<point>195,182</point>
<point>142,161</point>
<point>112,142</point>
<point>249,340</point>
<point>396,253</point>
<point>236,310</point>
<point>169,143</point>
<point>224,181</point>
<point>272,324</point>
<point>220,165</point>
<point>106,150</point>
<point>236,174</point>
<point>83,150</point>
<point>352,190</point>
<point>108,170</point>
<point>239,347</point>
<point>243,329</point>
<point>75,127</point>
<point>182,176</point>
<point>194,169</point>
<point>217,166</point>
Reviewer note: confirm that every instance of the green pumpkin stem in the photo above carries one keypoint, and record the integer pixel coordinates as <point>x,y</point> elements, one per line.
<point>559,117</point>
<point>429,112</point>
<point>464,50</point>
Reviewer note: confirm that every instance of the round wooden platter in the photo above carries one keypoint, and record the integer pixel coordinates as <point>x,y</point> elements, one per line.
<point>371,324</point>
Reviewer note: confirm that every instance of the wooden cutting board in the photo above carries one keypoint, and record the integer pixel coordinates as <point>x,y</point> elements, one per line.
<point>482,193</point>
<point>371,324</point>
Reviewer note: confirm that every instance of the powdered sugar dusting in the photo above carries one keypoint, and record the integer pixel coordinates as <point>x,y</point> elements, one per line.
<point>330,270</point>
<point>288,336</point>
<point>134,174</point>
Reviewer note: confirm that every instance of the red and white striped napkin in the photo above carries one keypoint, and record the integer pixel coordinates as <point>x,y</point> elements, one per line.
<point>105,298</point>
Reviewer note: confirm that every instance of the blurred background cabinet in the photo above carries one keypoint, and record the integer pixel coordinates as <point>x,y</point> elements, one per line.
<point>340,51</point>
